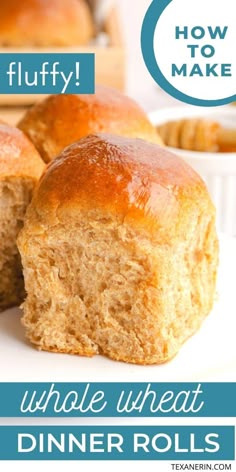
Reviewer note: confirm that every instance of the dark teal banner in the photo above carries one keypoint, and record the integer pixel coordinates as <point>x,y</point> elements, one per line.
<point>118,400</point>
<point>185,443</point>
<point>47,73</point>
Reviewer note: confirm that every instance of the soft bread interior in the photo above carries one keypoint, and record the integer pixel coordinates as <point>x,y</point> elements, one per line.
<point>15,195</point>
<point>96,285</point>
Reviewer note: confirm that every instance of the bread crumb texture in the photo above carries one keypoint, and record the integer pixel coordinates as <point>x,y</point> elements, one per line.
<point>20,168</point>
<point>109,274</point>
<point>15,195</point>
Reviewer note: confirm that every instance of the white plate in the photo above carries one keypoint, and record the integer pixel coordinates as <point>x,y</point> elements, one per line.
<point>207,356</point>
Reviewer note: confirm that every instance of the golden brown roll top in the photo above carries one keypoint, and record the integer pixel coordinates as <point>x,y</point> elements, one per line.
<point>61,120</point>
<point>18,156</point>
<point>141,183</point>
<point>45,23</point>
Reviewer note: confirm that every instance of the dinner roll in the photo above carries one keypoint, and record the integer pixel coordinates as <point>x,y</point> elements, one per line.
<point>45,23</point>
<point>60,120</point>
<point>20,168</point>
<point>119,252</point>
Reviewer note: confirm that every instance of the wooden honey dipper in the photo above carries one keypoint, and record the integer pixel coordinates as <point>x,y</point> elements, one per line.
<point>198,135</point>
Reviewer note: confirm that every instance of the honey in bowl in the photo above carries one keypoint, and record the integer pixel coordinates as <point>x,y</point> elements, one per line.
<point>196,134</point>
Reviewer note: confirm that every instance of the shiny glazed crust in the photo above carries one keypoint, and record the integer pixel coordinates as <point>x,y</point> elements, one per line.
<point>45,23</point>
<point>60,120</point>
<point>139,182</point>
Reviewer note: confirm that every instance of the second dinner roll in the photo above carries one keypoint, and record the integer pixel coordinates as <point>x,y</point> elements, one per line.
<point>44,23</point>
<point>119,251</point>
<point>20,168</point>
<point>60,120</point>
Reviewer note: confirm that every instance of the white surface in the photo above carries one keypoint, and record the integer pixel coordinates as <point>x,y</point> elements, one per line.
<point>100,466</point>
<point>209,355</point>
<point>217,169</point>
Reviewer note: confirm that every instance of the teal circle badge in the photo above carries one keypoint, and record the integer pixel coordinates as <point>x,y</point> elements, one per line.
<point>190,55</point>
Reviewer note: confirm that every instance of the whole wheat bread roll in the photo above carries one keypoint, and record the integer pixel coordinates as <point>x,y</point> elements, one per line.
<point>20,168</point>
<point>45,23</point>
<point>119,251</point>
<point>60,120</point>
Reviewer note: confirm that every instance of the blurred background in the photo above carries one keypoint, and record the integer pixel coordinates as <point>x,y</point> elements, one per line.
<point>139,83</point>
<point>109,28</point>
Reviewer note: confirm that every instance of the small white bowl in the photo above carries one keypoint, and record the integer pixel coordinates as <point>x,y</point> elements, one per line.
<point>217,169</point>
